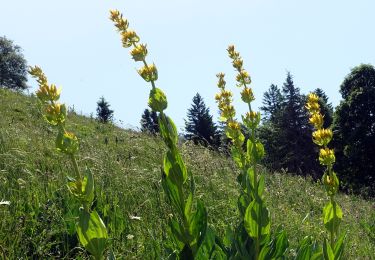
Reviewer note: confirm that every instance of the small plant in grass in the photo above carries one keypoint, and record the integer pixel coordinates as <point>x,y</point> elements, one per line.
<point>252,237</point>
<point>332,213</point>
<point>90,228</point>
<point>188,224</point>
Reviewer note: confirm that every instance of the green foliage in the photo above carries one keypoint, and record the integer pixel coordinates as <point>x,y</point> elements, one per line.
<point>103,113</point>
<point>13,66</point>
<point>199,126</point>
<point>354,131</point>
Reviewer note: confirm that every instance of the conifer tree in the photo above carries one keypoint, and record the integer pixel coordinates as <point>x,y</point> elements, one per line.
<point>199,125</point>
<point>149,122</point>
<point>103,113</point>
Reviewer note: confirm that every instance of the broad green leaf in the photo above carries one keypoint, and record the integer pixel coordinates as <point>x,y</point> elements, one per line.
<point>257,221</point>
<point>168,130</point>
<point>339,247</point>
<point>177,231</point>
<point>198,223</point>
<point>188,205</point>
<point>304,249</point>
<point>261,185</point>
<point>327,251</point>
<point>174,167</point>
<point>282,244</point>
<point>88,187</point>
<point>332,216</point>
<point>207,246</point>
<point>237,156</point>
<point>92,233</point>
<point>173,194</point>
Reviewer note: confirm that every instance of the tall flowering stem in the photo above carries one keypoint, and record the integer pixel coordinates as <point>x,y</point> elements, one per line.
<point>188,227</point>
<point>332,213</point>
<point>252,239</point>
<point>91,230</point>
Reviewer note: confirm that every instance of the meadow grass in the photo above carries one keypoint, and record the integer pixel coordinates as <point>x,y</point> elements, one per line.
<point>39,222</point>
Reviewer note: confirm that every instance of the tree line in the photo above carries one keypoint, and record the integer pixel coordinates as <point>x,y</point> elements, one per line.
<point>285,130</point>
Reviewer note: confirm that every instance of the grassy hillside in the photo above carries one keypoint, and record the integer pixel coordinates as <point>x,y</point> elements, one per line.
<point>39,222</point>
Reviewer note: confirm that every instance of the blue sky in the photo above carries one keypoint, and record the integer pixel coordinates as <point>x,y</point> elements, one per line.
<point>78,48</point>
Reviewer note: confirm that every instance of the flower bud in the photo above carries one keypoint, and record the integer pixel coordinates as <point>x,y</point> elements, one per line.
<point>237,64</point>
<point>157,100</point>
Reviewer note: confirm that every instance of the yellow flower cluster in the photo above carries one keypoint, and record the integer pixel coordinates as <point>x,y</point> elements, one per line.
<point>321,136</point>
<point>157,99</point>
<point>53,112</point>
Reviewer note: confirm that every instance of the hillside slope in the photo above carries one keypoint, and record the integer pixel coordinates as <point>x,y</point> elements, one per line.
<point>39,222</point>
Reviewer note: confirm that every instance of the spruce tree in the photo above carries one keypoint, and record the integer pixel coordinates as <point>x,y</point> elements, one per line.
<point>103,113</point>
<point>149,122</point>
<point>272,103</point>
<point>199,125</point>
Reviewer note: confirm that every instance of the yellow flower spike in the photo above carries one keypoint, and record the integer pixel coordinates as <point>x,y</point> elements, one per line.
<point>149,73</point>
<point>322,136</point>
<point>139,52</point>
<point>247,95</point>
<point>129,38</point>
<point>234,125</point>
<point>326,156</point>
<point>317,120</point>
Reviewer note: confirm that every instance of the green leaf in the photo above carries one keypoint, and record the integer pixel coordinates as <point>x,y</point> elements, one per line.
<point>261,185</point>
<point>157,100</point>
<point>168,131</point>
<point>332,216</point>
<point>282,244</point>
<point>208,244</point>
<point>188,205</point>
<point>174,167</point>
<point>327,251</point>
<point>177,231</point>
<point>88,187</point>
<point>172,192</point>
<point>257,221</point>
<point>237,156</point>
<point>339,247</point>
<point>198,224</point>
<point>92,233</point>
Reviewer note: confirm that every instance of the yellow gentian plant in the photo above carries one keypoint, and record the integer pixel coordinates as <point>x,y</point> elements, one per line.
<point>252,238</point>
<point>90,228</point>
<point>332,213</point>
<point>188,227</point>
